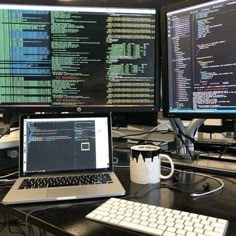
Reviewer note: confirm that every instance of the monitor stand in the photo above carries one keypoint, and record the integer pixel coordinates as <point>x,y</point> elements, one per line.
<point>185,136</point>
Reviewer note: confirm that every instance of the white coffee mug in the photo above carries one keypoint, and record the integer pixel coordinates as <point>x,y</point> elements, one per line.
<point>145,164</point>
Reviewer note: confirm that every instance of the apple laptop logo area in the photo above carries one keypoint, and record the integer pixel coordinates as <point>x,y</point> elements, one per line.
<point>85,146</point>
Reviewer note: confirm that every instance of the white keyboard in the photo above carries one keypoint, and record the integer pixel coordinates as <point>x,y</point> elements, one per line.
<point>156,220</point>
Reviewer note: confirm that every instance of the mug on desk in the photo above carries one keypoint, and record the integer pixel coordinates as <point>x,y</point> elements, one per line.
<point>145,164</point>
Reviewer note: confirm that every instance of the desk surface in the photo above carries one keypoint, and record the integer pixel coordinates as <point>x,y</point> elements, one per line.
<point>68,218</point>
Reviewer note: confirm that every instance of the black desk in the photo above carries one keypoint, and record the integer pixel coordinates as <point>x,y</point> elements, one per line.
<point>69,218</point>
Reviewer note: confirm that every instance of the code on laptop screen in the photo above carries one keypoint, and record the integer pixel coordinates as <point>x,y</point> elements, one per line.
<point>59,144</point>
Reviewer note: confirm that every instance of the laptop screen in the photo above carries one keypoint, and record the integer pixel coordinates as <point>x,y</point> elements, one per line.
<point>65,143</point>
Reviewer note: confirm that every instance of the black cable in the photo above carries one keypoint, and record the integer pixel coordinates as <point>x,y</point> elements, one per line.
<point>143,133</point>
<point>186,136</point>
<point>27,224</point>
<point>42,232</point>
<point>2,226</point>
<point>4,222</point>
<point>223,152</point>
<point>3,171</point>
<point>14,223</point>
<point>19,226</point>
<point>56,206</point>
<point>8,132</point>
<point>225,149</point>
<point>13,130</point>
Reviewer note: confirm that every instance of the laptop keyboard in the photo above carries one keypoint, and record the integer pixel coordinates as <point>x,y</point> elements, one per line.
<point>62,181</point>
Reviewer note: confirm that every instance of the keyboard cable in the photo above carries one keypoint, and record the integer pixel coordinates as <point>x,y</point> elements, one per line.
<point>204,175</point>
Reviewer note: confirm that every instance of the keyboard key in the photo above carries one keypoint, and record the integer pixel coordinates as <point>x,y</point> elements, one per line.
<point>61,181</point>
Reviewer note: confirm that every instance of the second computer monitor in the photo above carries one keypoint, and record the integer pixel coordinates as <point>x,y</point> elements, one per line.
<point>199,60</point>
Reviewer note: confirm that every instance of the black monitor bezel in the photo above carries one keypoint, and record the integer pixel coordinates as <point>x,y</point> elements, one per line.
<point>97,108</point>
<point>164,69</point>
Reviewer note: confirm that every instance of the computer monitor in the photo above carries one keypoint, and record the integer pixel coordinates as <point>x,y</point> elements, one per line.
<point>72,57</point>
<point>199,60</point>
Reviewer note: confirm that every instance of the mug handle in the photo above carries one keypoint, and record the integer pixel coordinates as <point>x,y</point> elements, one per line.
<point>171,166</point>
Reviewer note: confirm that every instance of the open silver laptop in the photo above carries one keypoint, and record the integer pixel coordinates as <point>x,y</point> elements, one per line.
<point>64,157</point>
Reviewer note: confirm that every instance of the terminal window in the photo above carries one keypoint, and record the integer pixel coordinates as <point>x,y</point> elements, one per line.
<point>72,56</point>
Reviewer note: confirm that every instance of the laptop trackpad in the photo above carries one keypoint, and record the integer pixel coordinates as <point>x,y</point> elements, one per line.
<point>62,192</point>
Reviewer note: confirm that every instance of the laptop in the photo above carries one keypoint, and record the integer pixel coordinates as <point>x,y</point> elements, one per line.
<point>64,157</point>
